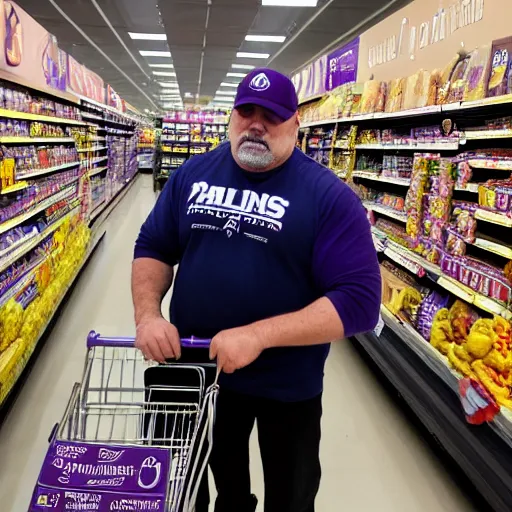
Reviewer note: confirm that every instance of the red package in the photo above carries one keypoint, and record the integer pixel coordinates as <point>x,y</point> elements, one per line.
<point>479,406</point>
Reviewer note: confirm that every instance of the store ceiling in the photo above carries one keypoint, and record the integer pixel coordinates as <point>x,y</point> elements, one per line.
<point>203,37</point>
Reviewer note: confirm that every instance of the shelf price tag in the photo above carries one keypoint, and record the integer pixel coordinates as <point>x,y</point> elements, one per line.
<point>379,327</point>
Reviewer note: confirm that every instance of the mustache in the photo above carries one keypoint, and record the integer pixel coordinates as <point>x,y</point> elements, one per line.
<point>252,138</point>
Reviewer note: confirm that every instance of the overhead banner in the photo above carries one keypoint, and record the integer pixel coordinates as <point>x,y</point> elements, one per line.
<point>83,81</point>
<point>28,50</point>
<point>311,80</point>
<point>342,65</point>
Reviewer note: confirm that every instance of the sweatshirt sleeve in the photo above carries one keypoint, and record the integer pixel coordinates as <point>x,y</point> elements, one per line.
<point>159,235</point>
<point>345,265</point>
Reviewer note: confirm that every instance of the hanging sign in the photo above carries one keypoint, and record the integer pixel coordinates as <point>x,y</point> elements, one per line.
<point>342,65</point>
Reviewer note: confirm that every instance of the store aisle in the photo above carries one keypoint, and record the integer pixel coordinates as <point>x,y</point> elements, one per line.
<point>372,459</point>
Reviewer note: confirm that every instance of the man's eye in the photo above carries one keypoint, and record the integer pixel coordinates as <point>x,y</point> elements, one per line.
<point>271,118</point>
<point>246,110</point>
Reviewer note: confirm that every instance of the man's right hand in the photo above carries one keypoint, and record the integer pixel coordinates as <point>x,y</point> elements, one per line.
<point>158,339</point>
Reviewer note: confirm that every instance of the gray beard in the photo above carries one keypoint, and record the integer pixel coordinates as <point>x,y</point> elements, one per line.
<point>255,160</point>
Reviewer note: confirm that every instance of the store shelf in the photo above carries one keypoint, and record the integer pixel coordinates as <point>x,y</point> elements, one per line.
<point>410,147</point>
<point>17,187</point>
<point>488,134</point>
<point>95,240</point>
<point>36,140</point>
<point>498,165</point>
<point>99,215</point>
<point>486,102</point>
<point>19,219</point>
<point>96,170</point>
<point>11,114</point>
<point>26,244</point>
<point>385,179</point>
<point>455,287</point>
<point>92,150</point>
<point>493,217</point>
<point>88,115</point>
<point>469,187</point>
<point>42,172</point>
<point>94,161</point>
<point>430,390</point>
<point>389,212</point>
<point>494,247</point>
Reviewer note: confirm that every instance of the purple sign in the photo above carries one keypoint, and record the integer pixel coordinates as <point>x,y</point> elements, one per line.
<point>55,500</point>
<point>101,473</point>
<point>342,65</point>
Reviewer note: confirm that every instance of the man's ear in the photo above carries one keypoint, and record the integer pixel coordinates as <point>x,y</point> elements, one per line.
<point>297,119</point>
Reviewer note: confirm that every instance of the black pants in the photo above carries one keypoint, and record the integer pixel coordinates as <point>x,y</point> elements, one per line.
<point>289,439</point>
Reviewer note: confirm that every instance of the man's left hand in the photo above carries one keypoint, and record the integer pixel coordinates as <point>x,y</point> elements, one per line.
<point>236,348</point>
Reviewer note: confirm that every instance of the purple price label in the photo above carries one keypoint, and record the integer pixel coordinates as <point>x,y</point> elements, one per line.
<point>126,469</point>
<point>54,500</point>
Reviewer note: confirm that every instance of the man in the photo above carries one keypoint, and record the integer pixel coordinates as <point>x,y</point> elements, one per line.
<point>275,262</point>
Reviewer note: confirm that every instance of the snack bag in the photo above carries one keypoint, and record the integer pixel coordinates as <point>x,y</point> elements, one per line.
<point>369,97</point>
<point>500,67</point>
<point>476,86</point>
<point>479,406</point>
<point>446,77</point>
<point>396,90</point>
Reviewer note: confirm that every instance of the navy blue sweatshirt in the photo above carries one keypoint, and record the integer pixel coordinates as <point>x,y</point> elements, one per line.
<point>255,245</point>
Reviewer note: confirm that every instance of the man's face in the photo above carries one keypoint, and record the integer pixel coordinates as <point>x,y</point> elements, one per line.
<point>261,141</point>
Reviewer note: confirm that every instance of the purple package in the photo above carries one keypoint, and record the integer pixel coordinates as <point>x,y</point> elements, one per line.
<point>93,467</point>
<point>427,311</point>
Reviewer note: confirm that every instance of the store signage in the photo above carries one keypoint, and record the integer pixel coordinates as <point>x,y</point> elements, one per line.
<point>311,80</point>
<point>409,39</point>
<point>342,65</point>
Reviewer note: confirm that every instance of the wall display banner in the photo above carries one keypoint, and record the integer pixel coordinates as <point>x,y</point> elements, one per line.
<point>28,50</point>
<point>114,100</point>
<point>310,81</point>
<point>342,65</point>
<point>85,82</point>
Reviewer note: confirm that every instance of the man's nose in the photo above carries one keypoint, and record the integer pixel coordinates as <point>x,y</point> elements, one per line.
<point>257,125</point>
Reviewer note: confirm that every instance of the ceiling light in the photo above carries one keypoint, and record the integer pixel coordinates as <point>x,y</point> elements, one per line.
<point>251,55</point>
<point>242,66</point>
<point>164,73</point>
<point>189,95</point>
<point>226,93</point>
<point>148,37</point>
<point>222,100</point>
<point>154,53</point>
<point>161,65</point>
<point>290,3</point>
<point>228,84</point>
<point>238,75</point>
<point>266,39</point>
<point>172,85</point>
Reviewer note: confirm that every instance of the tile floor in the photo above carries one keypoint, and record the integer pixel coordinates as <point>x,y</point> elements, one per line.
<point>372,459</point>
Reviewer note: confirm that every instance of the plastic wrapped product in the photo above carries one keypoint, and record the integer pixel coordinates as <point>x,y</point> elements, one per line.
<point>458,80</point>
<point>446,77</point>
<point>369,97</point>
<point>380,106</point>
<point>500,67</point>
<point>416,91</point>
<point>476,86</point>
<point>433,86</point>
<point>396,89</point>
<point>427,311</point>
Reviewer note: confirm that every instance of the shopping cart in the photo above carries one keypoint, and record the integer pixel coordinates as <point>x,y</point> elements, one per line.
<point>135,435</point>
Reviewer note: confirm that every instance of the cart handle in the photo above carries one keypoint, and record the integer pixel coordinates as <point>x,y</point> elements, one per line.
<point>96,340</point>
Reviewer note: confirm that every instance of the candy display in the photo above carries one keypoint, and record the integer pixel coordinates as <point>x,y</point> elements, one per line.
<point>416,91</point>
<point>29,158</point>
<point>396,90</point>
<point>20,100</point>
<point>25,315</point>
<point>414,198</point>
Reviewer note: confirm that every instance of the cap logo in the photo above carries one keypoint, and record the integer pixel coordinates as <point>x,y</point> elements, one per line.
<point>260,82</point>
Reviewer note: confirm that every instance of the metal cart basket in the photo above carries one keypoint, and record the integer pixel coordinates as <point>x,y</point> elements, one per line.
<point>135,435</point>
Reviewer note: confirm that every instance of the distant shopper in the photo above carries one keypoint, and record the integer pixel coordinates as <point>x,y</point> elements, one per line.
<point>275,262</point>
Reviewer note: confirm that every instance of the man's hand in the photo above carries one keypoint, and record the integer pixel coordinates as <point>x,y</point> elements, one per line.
<point>158,340</point>
<point>236,348</point>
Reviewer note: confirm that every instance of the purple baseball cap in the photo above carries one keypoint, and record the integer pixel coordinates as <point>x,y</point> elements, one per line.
<point>269,89</point>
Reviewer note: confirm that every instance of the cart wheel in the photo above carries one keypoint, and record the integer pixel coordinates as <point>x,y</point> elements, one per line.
<point>53,433</point>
